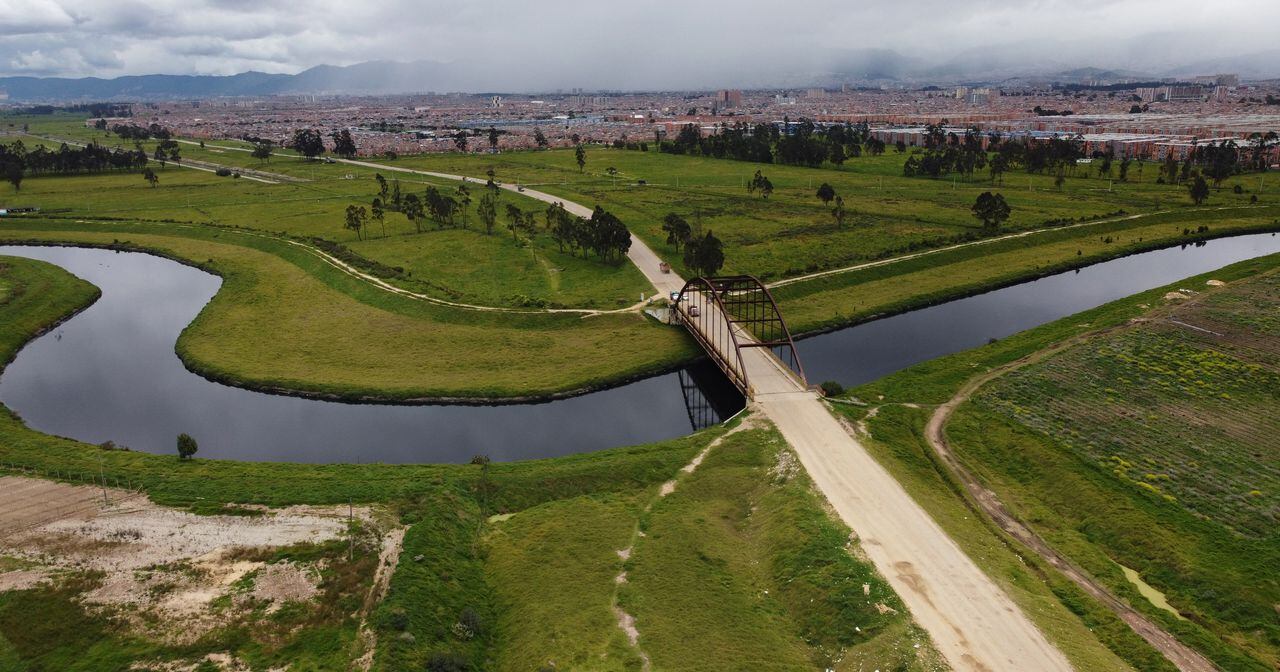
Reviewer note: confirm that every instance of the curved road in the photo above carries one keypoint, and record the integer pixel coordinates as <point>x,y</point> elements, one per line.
<point>970,619</point>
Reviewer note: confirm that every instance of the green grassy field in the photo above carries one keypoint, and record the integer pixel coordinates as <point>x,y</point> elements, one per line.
<point>271,288</point>
<point>1085,510</point>
<point>529,355</point>
<point>499,567</point>
<point>792,232</point>
<point>740,567</point>
<point>464,265</point>
<point>1153,447</point>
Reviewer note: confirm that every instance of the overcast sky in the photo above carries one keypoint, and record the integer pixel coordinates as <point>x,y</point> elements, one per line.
<point>606,43</point>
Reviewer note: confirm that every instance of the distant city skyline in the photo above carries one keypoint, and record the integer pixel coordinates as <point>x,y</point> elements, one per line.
<point>553,44</point>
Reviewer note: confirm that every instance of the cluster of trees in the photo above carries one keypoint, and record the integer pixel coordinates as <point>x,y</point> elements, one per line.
<point>16,161</point>
<point>703,253</point>
<point>167,150</point>
<point>307,142</point>
<point>603,233</point>
<point>991,209</point>
<point>945,153</point>
<point>135,132</point>
<point>1220,160</point>
<point>802,144</point>
<point>343,144</point>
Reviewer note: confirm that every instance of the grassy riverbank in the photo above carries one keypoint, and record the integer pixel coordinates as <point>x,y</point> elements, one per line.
<point>285,319</point>
<point>1153,447</point>
<point>444,352</point>
<point>1084,510</point>
<point>501,566</point>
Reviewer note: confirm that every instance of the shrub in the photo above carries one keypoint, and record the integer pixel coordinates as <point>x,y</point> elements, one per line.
<point>831,388</point>
<point>448,662</point>
<point>223,172</point>
<point>398,619</point>
<point>186,446</point>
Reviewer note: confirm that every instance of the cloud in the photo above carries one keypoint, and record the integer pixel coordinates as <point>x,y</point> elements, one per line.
<point>660,43</point>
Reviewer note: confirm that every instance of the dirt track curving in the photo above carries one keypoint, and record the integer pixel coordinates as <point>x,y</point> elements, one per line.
<point>1182,656</point>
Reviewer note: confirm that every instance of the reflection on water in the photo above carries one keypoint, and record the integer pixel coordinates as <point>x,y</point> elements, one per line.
<point>709,398</point>
<point>875,349</point>
<point>111,373</point>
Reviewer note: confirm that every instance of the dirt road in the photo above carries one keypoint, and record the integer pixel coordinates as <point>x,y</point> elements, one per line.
<point>972,622</point>
<point>1182,656</point>
<point>640,254</point>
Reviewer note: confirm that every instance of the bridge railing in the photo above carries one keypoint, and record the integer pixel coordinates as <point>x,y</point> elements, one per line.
<point>727,314</point>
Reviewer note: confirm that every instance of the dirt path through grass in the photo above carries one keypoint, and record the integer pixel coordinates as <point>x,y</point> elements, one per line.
<point>987,241</point>
<point>1182,656</point>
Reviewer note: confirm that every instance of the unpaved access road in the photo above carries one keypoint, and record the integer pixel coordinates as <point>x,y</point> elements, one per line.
<point>972,622</point>
<point>1182,656</point>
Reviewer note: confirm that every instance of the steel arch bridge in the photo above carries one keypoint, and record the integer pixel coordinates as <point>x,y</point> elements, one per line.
<point>727,315</point>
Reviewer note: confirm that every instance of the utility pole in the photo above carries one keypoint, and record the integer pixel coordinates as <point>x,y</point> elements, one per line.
<point>102,474</point>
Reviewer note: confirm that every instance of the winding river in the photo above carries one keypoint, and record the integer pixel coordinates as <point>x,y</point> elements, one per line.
<point>111,373</point>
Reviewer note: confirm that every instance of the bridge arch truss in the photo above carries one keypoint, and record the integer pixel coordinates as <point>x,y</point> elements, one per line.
<point>728,315</point>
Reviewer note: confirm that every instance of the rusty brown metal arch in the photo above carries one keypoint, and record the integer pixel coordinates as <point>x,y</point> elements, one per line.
<point>729,313</point>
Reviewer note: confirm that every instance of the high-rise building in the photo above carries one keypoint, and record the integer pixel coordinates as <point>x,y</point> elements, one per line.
<point>728,98</point>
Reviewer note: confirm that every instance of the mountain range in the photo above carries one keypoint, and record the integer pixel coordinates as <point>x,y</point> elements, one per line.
<point>992,65</point>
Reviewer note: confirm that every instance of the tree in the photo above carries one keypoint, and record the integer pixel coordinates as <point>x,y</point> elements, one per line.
<point>677,229</point>
<point>514,218</point>
<point>343,144</point>
<point>464,198</point>
<point>376,212</point>
<point>487,210</point>
<point>838,212</point>
<point>382,186</point>
<point>262,150</point>
<point>493,138</point>
<point>991,209</point>
<point>761,183</point>
<point>307,142</point>
<point>1199,189</point>
<point>186,446</point>
<point>539,138</point>
<point>607,235</point>
<point>704,255</point>
<point>151,177</point>
<point>13,173</point>
<point>580,155</point>
<point>412,209</point>
<point>460,140</point>
<point>356,216</point>
<point>826,193</point>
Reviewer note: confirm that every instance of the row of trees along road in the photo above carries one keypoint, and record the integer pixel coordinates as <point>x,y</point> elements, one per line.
<point>16,162</point>
<point>800,143</point>
<point>310,143</point>
<point>946,152</point>
<point>602,234</point>
<point>703,253</point>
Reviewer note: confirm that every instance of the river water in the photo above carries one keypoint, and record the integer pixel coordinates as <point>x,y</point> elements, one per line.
<point>111,373</point>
